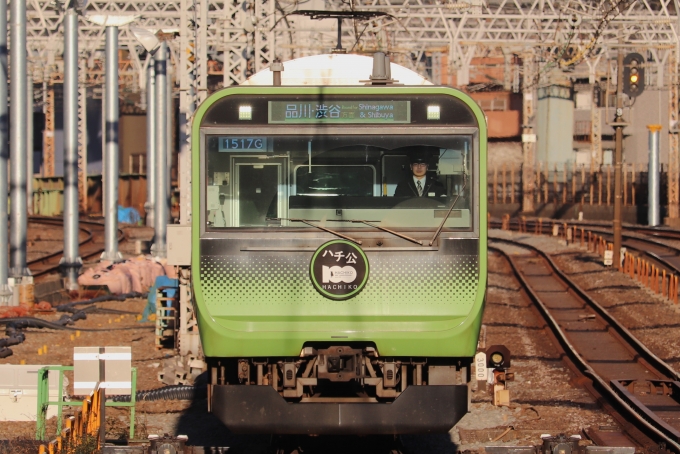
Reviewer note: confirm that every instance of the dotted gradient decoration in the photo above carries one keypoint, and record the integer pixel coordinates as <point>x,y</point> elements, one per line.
<point>279,284</point>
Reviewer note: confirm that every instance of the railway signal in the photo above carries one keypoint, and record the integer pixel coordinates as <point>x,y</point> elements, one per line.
<point>633,74</point>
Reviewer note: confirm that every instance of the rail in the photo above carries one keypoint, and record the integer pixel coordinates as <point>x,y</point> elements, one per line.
<point>536,285</point>
<point>49,263</point>
<point>663,281</point>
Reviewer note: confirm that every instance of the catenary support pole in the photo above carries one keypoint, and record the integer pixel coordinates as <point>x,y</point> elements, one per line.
<point>169,116</point>
<point>654,207</point>
<point>161,203</point>
<point>71,262</point>
<point>5,294</point>
<point>111,148</point>
<point>17,141</point>
<point>528,134</point>
<point>29,143</point>
<point>150,143</point>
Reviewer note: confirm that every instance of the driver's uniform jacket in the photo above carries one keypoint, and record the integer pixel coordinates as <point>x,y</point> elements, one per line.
<point>407,188</point>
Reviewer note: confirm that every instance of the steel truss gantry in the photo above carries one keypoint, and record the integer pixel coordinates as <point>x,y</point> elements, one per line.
<point>235,38</point>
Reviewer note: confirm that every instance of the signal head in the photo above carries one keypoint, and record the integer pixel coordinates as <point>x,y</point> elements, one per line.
<point>498,357</point>
<point>633,74</point>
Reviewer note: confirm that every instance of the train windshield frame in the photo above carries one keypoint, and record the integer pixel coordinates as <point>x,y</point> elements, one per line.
<point>272,178</point>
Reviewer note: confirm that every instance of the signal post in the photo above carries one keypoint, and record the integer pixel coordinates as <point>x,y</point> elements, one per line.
<point>618,158</point>
<point>630,80</point>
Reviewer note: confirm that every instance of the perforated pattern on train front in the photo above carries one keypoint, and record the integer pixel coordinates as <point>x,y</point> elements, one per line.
<point>279,284</point>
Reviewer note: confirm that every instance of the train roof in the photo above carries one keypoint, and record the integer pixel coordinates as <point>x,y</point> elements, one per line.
<point>333,69</point>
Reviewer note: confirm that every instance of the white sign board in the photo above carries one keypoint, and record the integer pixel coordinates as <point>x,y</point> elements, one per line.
<point>110,367</point>
<point>480,366</point>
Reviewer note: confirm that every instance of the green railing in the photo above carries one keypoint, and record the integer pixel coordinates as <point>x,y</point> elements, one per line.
<point>44,399</point>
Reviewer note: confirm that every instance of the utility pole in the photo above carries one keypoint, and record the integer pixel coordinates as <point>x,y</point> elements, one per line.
<point>618,158</point>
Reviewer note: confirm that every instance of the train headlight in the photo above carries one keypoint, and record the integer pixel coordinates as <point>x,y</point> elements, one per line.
<point>433,113</point>
<point>498,356</point>
<point>245,112</point>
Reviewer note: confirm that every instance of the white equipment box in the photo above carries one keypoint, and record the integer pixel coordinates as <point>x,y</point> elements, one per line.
<point>179,244</point>
<point>19,392</point>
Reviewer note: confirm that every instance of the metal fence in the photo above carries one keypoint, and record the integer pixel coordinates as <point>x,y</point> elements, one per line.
<point>81,434</point>
<point>568,183</point>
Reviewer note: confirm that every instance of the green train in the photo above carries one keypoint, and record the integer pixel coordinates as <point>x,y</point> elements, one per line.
<point>339,255</point>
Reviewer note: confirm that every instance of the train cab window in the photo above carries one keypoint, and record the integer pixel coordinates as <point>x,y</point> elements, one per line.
<point>276,180</point>
<point>335,180</point>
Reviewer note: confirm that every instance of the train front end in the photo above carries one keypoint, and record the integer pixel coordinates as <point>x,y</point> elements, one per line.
<point>330,299</point>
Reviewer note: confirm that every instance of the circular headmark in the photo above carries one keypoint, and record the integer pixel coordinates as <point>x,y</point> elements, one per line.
<point>339,269</point>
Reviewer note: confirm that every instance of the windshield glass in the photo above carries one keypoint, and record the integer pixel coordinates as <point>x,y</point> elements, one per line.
<point>396,181</point>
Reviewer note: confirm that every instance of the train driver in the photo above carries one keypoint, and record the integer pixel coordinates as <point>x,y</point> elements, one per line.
<point>419,183</point>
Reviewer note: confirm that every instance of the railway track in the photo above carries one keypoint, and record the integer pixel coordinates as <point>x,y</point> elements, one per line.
<point>663,255</point>
<point>90,247</point>
<point>290,444</point>
<point>545,227</point>
<point>338,444</point>
<point>632,383</point>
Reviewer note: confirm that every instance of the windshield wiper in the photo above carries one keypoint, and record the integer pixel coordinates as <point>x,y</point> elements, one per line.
<point>439,229</point>
<point>308,222</point>
<point>413,240</point>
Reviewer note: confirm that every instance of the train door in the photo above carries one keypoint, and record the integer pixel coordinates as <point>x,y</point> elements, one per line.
<point>260,190</point>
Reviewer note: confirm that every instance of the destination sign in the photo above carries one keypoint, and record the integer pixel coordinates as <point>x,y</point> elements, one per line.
<point>292,112</point>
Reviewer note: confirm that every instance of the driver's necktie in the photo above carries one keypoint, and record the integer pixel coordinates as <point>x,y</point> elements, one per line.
<point>420,189</point>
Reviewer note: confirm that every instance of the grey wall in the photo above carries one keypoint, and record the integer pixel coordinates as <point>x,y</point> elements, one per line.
<point>651,107</point>
<point>555,130</point>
